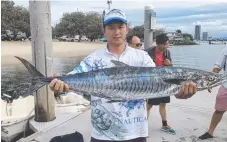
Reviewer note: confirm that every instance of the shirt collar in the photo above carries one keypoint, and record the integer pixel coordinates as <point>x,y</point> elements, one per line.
<point>127,48</point>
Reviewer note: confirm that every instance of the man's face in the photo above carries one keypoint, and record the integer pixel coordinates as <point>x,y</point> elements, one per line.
<point>135,43</point>
<point>116,32</point>
<point>163,47</point>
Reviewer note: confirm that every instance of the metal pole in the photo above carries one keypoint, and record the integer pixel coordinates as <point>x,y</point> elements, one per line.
<point>148,33</point>
<point>41,39</point>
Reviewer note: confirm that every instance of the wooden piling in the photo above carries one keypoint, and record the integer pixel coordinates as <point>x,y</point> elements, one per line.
<point>41,39</point>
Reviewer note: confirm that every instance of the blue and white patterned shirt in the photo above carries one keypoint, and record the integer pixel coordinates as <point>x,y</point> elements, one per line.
<point>120,120</point>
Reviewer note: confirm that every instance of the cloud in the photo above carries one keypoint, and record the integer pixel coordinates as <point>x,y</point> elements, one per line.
<point>211,17</point>
<point>209,23</point>
<point>196,10</point>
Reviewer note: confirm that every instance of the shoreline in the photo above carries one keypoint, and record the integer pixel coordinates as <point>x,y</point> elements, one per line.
<point>60,50</point>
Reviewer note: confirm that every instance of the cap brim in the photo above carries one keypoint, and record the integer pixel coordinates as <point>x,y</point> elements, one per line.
<point>115,19</point>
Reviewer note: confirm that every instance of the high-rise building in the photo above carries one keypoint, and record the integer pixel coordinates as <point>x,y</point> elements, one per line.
<point>197,32</point>
<point>205,36</point>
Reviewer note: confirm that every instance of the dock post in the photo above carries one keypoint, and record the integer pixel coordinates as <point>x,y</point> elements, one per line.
<point>41,39</point>
<point>149,21</point>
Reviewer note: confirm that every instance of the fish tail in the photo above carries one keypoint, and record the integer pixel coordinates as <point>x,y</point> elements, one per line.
<point>35,82</point>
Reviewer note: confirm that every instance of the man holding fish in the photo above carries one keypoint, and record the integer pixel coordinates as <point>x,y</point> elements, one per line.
<point>117,121</point>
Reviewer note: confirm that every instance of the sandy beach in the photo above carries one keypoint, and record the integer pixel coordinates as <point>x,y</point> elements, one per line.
<point>60,49</point>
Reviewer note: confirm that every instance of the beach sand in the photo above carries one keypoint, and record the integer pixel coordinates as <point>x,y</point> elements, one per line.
<point>60,49</point>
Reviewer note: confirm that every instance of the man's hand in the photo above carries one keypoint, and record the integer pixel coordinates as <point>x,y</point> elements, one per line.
<point>167,62</point>
<point>216,70</point>
<point>187,91</point>
<point>58,86</point>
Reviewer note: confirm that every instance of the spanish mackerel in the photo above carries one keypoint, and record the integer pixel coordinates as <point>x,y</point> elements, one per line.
<point>124,82</point>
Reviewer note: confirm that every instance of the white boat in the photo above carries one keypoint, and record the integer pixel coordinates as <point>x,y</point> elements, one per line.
<point>15,115</point>
<point>71,103</point>
<point>72,99</point>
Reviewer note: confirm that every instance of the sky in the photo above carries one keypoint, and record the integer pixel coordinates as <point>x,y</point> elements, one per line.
<point>170,14</point>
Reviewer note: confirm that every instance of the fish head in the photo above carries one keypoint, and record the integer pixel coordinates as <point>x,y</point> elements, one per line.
<point>209,80</point>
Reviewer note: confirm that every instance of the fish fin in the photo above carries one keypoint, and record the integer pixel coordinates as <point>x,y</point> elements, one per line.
<point>84,94</point>
<point>88,95</point>
<point>35,75</point>
<point>32,89</point>
<point>175,81</point>
<point>31,69</point>
<point>119,64</point>
<point>34,86</point>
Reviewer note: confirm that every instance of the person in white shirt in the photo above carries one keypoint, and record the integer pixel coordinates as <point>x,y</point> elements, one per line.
<point>124,121</point>
<point>221,99</point>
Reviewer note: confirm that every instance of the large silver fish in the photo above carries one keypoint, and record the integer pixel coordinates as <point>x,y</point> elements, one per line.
<point>124,82</point>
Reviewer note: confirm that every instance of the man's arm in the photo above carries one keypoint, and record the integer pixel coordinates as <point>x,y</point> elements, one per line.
<point>167,62</point>
<point>168,59</point>
<point>85,66</point>
<point>221,63</point>
<point>216,70</point>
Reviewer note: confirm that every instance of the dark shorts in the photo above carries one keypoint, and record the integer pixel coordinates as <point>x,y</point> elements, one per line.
<point>133,140</point>
<point>158,101</point>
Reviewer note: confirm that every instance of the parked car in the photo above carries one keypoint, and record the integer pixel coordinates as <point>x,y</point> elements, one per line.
<point>103,39</point>
<point>84,39</point>
<point>9,35</point>
<point>77,38</point>
<point>4,37</point>
<point>67,39</point>
<point>20,36</point>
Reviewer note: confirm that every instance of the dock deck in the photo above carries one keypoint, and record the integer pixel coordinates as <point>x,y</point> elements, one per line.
<point>190,118</point>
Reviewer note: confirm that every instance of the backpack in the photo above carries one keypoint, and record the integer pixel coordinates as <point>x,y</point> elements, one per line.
<point>73,137</point>
<point>151,53</point>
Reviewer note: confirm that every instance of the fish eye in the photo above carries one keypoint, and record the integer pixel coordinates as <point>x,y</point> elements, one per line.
<point>211,78</point>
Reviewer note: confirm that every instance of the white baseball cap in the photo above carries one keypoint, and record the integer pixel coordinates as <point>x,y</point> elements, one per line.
<point>114,15</point>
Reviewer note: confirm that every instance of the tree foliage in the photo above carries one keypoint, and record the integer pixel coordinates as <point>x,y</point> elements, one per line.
<point>139,31</point>
<point>179,32</point>
<point>187,36</point>
<point>14,18</point>
<point>158,32</point>
<point>79,23</point>
<point>94,25</point>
